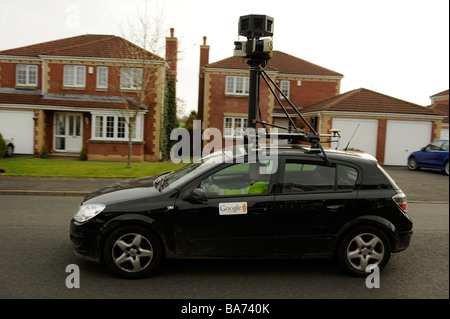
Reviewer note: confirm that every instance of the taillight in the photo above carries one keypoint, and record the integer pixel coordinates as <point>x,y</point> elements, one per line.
<point>400,200</point>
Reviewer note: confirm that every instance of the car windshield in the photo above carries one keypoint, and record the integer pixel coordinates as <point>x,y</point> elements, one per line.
<point>177,178</point>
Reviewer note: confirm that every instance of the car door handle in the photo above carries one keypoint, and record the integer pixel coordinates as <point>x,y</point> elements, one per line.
<point>257,211</point>
<point>335,208</point>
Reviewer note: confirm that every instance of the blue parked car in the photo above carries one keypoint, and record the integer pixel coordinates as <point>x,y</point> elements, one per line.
<point>434,155</point>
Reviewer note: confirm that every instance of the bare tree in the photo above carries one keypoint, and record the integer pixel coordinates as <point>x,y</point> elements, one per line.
<point>138,80</point>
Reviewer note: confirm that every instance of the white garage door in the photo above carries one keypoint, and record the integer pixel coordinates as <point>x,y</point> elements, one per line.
<point>444,134</point>
<point>18,125</point>
<point>364,132</point>
<point>403,138</point>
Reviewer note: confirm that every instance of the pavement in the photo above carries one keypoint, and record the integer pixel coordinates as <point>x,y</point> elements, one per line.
<point>56,186</point>
<point>423,186</point>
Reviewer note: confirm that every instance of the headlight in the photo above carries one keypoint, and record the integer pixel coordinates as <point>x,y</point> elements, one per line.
<point>88,211</point>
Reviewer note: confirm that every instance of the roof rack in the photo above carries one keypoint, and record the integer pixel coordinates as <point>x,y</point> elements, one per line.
<point>259,52</point>
<point>293,134</point>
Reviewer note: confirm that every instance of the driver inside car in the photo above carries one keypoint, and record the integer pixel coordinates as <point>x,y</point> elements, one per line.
<point>258,183</point>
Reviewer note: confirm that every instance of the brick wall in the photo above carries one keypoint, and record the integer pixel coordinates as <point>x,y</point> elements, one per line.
<point>114,151</point>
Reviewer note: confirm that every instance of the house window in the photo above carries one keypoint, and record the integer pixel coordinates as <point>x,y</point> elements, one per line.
<point>102,77</point>
<point>115,128</point>
<point>26,75</point>
<point>234,126</point>
<point>130,78</point>
<point>237,85</point>
<point>285,88</point>
<point>74,75</point>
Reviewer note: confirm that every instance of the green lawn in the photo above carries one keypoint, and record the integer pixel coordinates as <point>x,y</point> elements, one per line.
<point>31,166</point>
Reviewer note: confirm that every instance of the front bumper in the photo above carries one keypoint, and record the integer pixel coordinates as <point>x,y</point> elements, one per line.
<point>85,241</point>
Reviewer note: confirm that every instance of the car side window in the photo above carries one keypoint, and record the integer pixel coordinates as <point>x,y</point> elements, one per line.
<point>304,177</point>
<point>434,146</point>
<point>445,146</point>
<point>346,177</point>
<point>238,179</point>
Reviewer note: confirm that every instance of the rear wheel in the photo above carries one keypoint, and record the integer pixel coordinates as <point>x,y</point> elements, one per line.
<point>446,168</point>
<point>364,248</point>
<point>132,252</point>
<point>412,163</point>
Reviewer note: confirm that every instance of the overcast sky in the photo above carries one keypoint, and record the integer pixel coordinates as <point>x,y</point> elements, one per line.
<point>395,47</point>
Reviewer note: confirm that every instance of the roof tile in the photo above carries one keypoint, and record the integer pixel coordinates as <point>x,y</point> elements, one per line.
<point>281,62</point>
<point>89,45</point>
<point>364,100</point>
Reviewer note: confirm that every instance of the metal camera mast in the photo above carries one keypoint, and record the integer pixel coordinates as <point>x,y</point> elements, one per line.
<point>258,50</point>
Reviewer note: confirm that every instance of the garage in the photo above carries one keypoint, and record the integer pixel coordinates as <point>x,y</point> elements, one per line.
<point>18,125</point>
<point>361,133</point>
<point>403,138</point>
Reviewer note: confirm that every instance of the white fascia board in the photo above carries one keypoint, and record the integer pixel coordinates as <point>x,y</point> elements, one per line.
<point>19,57</point>
<point>98,59</point>
<point>226,70</point>
<point>375,115</point>
<point>91,110</point>
<point>311,76</point>
<point>246,71</point>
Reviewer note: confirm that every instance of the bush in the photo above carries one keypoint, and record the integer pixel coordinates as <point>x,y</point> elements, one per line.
<point>83,153</point>
<point>3,146</point>
<point>44,151</point>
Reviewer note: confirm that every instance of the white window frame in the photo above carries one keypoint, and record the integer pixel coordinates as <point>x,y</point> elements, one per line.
<point>129,77</point>
<point>238,125</point>
<point>74,76</point>
<point>28,69</point>
<point>285,86</point>
<point>101,131</point>
<point>102,77</point>
<point>237,85</point>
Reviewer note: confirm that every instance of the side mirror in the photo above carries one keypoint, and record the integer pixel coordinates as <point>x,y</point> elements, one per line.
<point>198,195</point>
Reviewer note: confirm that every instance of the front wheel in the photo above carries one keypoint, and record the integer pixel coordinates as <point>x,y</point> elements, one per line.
<point>412,164</point>
<point>9,150</point>
<point>362,248</point>
<point>132,252</point>
<point>446,168</point>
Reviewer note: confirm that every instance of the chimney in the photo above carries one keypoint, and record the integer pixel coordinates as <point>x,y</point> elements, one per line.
<point>204,60</point>
<point>172,53</point>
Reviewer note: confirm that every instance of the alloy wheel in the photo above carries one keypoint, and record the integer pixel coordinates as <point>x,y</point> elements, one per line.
<point>364,250</point>
<point>132,252</point>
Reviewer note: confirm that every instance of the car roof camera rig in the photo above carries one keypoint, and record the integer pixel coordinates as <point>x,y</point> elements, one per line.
<point>258,50</point>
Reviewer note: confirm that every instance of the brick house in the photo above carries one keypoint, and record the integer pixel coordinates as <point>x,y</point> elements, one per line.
<point>440,103</point>
<point>223,89</point>
<point>383,126</point>
<point>76,91</point>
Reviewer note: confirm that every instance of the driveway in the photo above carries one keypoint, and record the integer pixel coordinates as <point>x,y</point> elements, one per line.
<point>422,185</point>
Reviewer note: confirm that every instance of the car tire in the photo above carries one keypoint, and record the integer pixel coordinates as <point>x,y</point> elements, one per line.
<point>9,150</point>
<point>412,163</point>
<point>446,168</point>
<point>132,252</point>
<point>362,249</point>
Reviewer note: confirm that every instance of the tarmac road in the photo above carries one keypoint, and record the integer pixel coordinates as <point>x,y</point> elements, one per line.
<point>36,249</point>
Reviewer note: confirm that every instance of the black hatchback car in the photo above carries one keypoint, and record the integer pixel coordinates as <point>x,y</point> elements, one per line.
<point>299,205</point>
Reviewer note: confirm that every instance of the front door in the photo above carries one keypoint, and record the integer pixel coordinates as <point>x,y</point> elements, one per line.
<point>68,132</point>
<point>232,222</point>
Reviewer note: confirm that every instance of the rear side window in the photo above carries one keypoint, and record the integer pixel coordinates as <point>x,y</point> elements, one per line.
<point>346,177</point>
<point>306,177</point>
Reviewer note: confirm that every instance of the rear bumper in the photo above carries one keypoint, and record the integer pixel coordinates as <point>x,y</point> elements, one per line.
<point>404,239</point>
